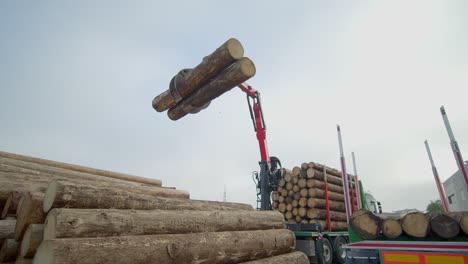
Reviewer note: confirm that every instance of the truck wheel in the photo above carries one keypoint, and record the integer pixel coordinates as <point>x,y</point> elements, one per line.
<point>327,251</point>
<point>339,252</point>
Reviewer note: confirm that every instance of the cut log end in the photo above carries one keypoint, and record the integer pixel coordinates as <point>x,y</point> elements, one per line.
<point>416,224</point>
<point>49,196</point>
<point>391,228</point>
<point>247,67</point>
<point>235,48</point>
<point>44,254</point>
<point>366,224</point>
<point>31,240</point>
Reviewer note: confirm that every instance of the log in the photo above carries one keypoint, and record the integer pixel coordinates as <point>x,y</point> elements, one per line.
<point>7,229</point>
<point>366,224</point>
<point>73,223</point>
<point>10,182</point>
<point>11,204</point>
<point>104,173</point>
<point>318,193</point>
<point>60,195</point>
<point>207,248</point>
<point>281,199</point>
<point>415,224</point>
<point>29,212</point>
<point>237,73</point>
<point>295,204</point>
<point>9,250</point>
<point>287,177</point>
<point>444,226</point>
<point>302,183</point>
<point>296,188</point>
<point>298,218</point>
<point>320,214</point>
<point>32,239</point>
<point>303,202</point>
<point>304,193</point>
<point>321,185</point>
<point>321,203</point>
<point>318,175</point>
<point>288,215</point>
<point>295,211</point>
<point>462,219</point>
<point>336,226</point>
<point>282,182</point>
<point>296,171</point>
<point>296,257</point>
<point>289,186</point>
<point>302,211</point>
<point>391,228</point>
<point>23,261</point>
<point>189,80</point>
<point>45,174</point>
<point>282,207</point>
<point>319,167</point>
<point>289,207</point>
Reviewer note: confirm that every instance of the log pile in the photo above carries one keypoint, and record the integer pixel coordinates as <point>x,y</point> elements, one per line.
<point>192,90</point>
<point>300,196</point>
<point>56,213</point>
<point>416,225</point>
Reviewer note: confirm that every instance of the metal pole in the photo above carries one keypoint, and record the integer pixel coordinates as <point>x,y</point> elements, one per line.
<point>345,177</point>
<point>454,144</point>
<point>356,182</point>
<point>436,177</point>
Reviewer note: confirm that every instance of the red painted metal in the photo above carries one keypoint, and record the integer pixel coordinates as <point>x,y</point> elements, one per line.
<point>345,186</point>
<point>257,114</point>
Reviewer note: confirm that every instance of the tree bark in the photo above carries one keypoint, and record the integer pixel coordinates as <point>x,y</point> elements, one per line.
<point>320,214</point>
<point>60,195</point>
<point>7,229</point>
<point>296,171</point>
<point>318,193</point>
<point>29,212</point>
<point>32,239</point>
<point>105,173</point>
<point>237,73</point>
<point>318,175</point>
<point>330,171</point>
<point>444,226</point>
<point>391,228</point>
<point>11,204</point>
<point>415,224</point>
<point>9,250</point>
<point>296,257</point>
<point>366,224</point>
<point>191,79</point>
<point>73,223</point>
<point>321,185</point>
<point>336,226</point>
<point>44,173</point>
<point>23,261</point>
<point>462,219</point>
<point>321,203</point>
<point>10,182</point>
<point>207,248</point>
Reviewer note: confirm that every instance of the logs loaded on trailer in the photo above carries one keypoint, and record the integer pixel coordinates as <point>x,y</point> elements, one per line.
<point>300,196</point>
<point>192,90</point>
<point>414,224</point>
<point>59,215</point>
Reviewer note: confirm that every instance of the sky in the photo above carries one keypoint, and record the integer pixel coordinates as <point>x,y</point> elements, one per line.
<point>77,79</point>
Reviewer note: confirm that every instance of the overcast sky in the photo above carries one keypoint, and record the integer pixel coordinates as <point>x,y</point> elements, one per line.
<point>77,79</point>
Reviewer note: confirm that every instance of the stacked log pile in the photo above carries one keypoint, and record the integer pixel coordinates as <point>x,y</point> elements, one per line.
<point>300,196</point>
<point>61,213</point>
<point>414,224</point>
<point>192,90</point>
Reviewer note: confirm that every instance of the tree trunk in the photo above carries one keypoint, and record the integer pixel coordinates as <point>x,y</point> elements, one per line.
<point>11,204</point>
<point>321,203</point>
<point>207,248</point>
<point>9,182</point>
<point>321,185</point>
<point>302,211</point>
<point>296,171</point>
<point>391,228</point>
<point>32,239</point>
<point>304,193</point>
<point>7,229</point>
<point>462,219</point>
<point>320,214</point>
<point>282,207</point>
<point>23,261</point>
<point>318,175</point>
<point>366,224</point>
<point>444,226</point>
<point>296,257</point>
<point>9,250</point>
<point>336,226</point>
<point>71,167</point>
<point>237,73</point>
<point>303,202</point>
<point>29,212</point>
<point>71,223</point>
<point>415,224</point>
<point>60,195</point>
<point>45,173</point>
<point>189,80</point>
<point>330,171</point>
<point>318,193</point>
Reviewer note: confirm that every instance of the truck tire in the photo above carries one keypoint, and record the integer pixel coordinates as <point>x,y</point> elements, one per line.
<point>327,251</point>
<point>339,253</point>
